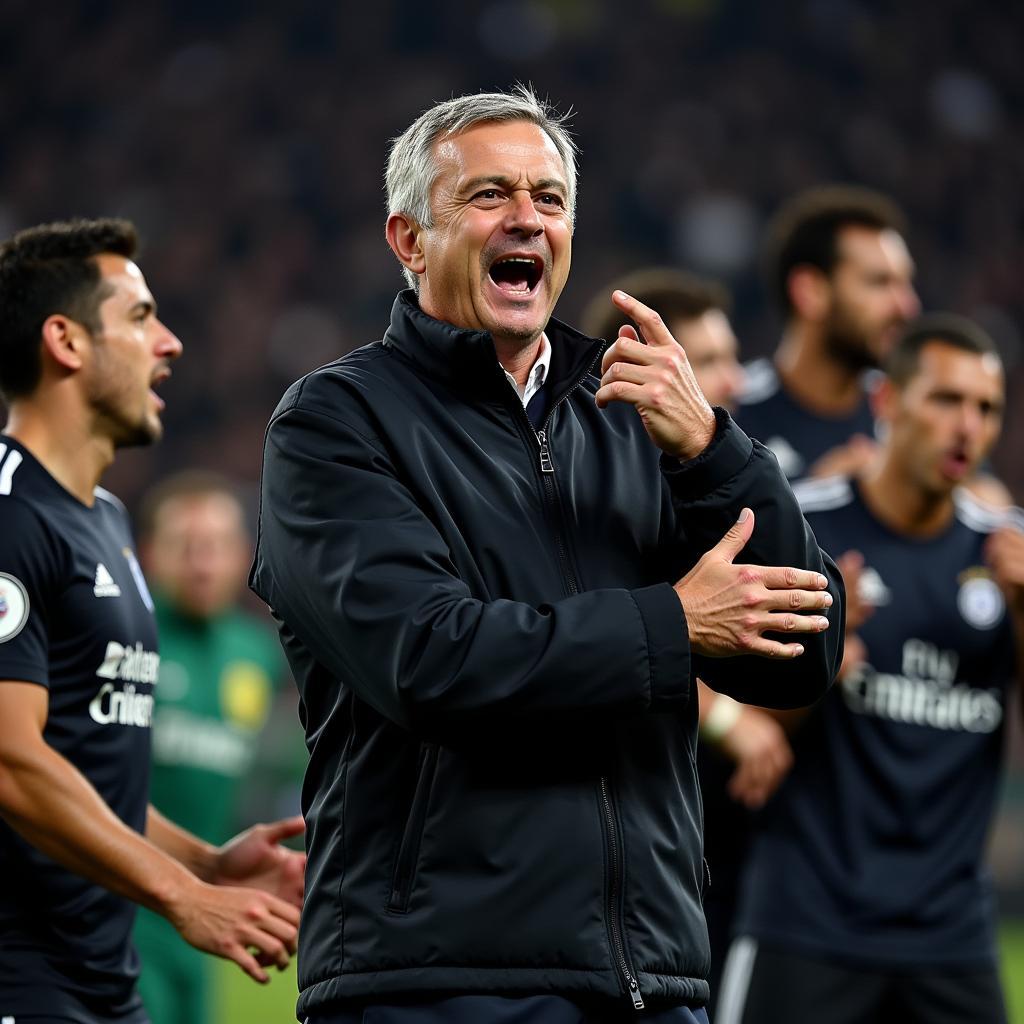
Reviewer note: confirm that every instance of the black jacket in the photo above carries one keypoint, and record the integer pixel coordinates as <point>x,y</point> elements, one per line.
<point>495,677</point>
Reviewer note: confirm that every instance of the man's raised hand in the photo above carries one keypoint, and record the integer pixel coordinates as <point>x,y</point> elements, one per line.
<point>656,378</point>
<point>730,607</point>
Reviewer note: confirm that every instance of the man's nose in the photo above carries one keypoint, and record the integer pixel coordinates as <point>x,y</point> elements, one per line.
<point>522,214</point>
<point>972,421</point>
<point>908,302</point>
<point>168,346</point>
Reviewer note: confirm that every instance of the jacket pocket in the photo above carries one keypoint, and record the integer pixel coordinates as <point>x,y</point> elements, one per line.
<point>404,875</point>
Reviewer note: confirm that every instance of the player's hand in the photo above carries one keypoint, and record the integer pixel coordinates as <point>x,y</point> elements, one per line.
<point>763,756</point>
<point>1004,552</point>
<point>858,610</point>
<point>855,653</point>
<point>253,928</point>
<point>256,858</point>
<point>850,459</point>
<point>656,378</point>
<point>730,607</point>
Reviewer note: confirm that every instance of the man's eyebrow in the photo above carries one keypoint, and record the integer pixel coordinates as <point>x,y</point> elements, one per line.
<point>143,306</point>
<point>544,184</point>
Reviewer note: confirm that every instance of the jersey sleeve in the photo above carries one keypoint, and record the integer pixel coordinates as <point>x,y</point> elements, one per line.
<point>29,573</point>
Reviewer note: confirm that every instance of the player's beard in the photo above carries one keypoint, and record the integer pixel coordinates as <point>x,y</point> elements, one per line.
<point>848,342</point>
<point>120,412</point>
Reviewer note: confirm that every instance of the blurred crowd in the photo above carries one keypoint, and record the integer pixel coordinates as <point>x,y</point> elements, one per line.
<point>248,147</point>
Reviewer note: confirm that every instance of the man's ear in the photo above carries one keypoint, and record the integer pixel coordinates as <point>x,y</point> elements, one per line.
<point>884,398</point>
<point>403,235</point>
<point>810,292</point>
<point>64,341</point>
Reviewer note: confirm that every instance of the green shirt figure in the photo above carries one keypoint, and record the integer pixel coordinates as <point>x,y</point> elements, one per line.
<point>220,669</point>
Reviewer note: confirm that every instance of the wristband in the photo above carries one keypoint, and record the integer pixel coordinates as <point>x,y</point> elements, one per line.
<point>723,714</point>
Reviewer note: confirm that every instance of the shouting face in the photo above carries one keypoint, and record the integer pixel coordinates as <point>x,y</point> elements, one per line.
<point>946,417</point>
<point>498,254</point>
<point>131,355</point>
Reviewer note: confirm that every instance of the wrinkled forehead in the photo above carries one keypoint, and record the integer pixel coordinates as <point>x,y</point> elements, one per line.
<point>508,149</point>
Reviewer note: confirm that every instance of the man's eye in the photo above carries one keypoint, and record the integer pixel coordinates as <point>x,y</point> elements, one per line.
<point>550,199</point>
<point>488,193</point>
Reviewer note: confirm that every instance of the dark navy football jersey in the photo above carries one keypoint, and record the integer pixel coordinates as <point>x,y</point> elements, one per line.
<point>873,848</point>
<point>796,436</point>
<point>76,618</point>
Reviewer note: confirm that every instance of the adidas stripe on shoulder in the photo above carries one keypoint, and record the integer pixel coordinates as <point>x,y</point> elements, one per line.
<point>760,382</point>
<point>981,517</point>
<point>10,460</point>
<point>829,492</point>
<point>110,499</point>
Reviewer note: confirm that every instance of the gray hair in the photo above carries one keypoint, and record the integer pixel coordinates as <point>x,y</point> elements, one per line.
<point>411,169</point>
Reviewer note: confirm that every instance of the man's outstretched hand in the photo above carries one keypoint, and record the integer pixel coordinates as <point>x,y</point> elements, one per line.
<point>256,859</point>
<point>730,607</point>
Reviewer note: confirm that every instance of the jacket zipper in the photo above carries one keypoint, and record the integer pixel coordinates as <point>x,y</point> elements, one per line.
<point>615,898</point>
<point>547,474</point>
<point>409,848</point>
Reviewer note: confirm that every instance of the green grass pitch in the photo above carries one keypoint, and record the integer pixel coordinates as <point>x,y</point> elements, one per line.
<point>241,1001</point>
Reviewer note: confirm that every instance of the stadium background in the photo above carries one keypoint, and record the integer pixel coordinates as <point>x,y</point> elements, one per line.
<point>247,141</point>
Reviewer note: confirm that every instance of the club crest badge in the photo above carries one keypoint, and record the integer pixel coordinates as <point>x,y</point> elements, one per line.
<point>14,606</point>
<point>979,599</point>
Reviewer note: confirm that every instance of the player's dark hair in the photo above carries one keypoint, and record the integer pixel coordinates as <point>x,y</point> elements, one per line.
<point>805,231</point>
<point>947,328</point>
<point>45,270</point>
<point>189,483</point>
<point>675,294</point>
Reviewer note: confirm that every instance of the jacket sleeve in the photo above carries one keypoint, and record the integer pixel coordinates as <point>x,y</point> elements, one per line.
<point>353,566</point>
<point>708,494</point>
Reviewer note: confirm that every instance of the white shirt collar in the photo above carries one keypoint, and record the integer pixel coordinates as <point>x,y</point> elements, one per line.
<point>537,375</point>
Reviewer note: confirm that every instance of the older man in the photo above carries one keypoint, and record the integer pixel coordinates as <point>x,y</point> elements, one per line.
<point>495,593</point>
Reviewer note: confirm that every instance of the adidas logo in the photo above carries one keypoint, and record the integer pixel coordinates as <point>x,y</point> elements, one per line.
<point>105,585</point>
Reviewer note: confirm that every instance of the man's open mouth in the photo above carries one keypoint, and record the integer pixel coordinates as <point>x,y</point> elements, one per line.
<point>156,380</point>
<point>517,275</point>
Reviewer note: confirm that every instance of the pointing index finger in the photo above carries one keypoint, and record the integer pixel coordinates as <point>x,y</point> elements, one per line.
<point>651,325</point>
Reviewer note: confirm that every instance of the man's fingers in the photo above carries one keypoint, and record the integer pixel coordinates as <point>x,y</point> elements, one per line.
<point>630,372</point>
<point>618,391</point>
<point>627,349</point>
<point>796,600</point>
<point>735,538</point>
<point>284,931</point>
<point>248,963</point>
<point>774,650</point>
<point>795,623</point>
<point>850,561</point>
<point>778,577</point>
<point>268,949</point>
<point>652,327</point>
<point>287,912</point>
<point>285,828</point>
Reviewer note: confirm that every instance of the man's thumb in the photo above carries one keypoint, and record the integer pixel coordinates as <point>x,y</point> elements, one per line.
<point>735,540</point>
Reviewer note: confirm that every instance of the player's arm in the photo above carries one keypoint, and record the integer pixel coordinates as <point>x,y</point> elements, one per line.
<point>254,857</point>
<point>751,738</point>
<point>1005,553</point>
<point>47,801</point>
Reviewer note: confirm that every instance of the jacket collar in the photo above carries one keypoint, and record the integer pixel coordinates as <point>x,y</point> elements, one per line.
<point>468,358</point>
